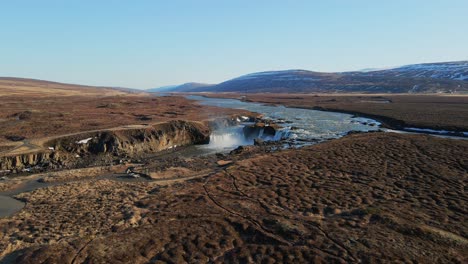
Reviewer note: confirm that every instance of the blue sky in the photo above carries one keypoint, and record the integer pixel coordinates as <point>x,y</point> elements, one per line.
<point>144,44</point>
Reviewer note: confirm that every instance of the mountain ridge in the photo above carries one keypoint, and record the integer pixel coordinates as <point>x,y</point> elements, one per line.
<point>440,77</point>
<point>185,86</point>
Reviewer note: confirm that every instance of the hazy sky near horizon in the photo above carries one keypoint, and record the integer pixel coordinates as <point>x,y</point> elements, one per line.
<point>145,44</point>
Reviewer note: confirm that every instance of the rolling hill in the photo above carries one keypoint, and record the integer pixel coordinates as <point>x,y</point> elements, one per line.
<point>446,70</point>
<point>10,86</point>
<point>447,77</point>
<point>185,87</point>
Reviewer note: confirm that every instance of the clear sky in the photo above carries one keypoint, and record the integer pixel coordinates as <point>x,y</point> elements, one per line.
<point>145,44</point>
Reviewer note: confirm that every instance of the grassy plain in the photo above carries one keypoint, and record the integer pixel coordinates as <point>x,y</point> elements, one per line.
<point>365,198</point>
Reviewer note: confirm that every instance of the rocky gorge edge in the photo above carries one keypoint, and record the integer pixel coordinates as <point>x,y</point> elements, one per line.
<point>76,150</point>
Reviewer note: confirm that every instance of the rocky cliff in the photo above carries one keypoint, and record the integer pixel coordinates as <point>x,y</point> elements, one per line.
<point>128,142</point>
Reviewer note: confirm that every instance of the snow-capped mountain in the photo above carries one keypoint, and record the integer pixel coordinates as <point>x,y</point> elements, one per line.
<point>446,77</point>
<point>457,70</point>
<point>290,75</point>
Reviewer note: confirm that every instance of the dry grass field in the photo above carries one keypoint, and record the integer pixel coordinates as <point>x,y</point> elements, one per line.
<point>366,198</point>
<point>36,110</point>
<point>18,87</point>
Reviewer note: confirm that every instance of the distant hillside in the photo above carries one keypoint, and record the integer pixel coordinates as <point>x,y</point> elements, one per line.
<point>166,88</point>
<point>419,78</point>
<point>445,70</point>
<point>10,86</point>
<point>191,86</point>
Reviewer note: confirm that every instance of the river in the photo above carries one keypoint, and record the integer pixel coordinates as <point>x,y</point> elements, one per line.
<point>299,126</point>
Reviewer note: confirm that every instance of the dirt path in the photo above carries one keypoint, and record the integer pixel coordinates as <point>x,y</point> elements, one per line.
<point>25,147</point>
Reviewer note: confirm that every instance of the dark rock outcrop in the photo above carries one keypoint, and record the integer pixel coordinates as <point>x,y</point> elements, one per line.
<point>258,142</point>
<point>259,128</point>
<point>133,141</point>
<point>124,142</point>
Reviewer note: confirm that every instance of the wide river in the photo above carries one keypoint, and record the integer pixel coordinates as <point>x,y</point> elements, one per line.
<point>299,125</point>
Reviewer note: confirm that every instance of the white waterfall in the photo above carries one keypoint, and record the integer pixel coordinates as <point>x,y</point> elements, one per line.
<point>228,138</point>
<point>232,137</point>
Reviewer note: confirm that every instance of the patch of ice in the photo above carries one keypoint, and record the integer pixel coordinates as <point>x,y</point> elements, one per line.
<point>427,130</point>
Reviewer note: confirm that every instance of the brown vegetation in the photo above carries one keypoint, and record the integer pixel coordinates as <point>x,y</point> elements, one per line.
<point>31,118</point>
<point>12,87</point>
<point>33,112</point>
<point>377,197</point>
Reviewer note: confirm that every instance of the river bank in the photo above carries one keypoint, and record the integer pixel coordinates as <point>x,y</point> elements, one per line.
<point>435,112</point>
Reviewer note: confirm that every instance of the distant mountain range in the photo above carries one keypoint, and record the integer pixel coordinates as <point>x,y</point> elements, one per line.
<point>445,70</point>
<point>182,87</point>
<point>444,77</point>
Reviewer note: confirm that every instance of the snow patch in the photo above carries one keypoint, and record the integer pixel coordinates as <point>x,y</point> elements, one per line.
<point>449,70</point>
<point>436,132</point>
<point>84,141</point>
<point>427,130</point>
<point>378,69</point>
<point>279,74</point>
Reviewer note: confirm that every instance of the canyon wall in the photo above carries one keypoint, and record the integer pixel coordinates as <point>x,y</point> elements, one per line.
<point>128,142</point>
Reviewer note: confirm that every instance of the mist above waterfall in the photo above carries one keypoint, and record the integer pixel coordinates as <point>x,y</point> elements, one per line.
<point>228,138</point>
<point>232,137</point>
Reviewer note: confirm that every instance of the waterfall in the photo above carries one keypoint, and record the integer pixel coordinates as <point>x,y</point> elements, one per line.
<point>232,137</point>
<point>228,138</point>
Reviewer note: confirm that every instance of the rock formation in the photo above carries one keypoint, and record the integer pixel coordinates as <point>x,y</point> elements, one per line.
<point>124,142</point>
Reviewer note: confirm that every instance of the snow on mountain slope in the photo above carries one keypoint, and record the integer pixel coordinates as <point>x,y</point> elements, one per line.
<point>448,77</point>
<point>278,75</point>
<point>457,70</point>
